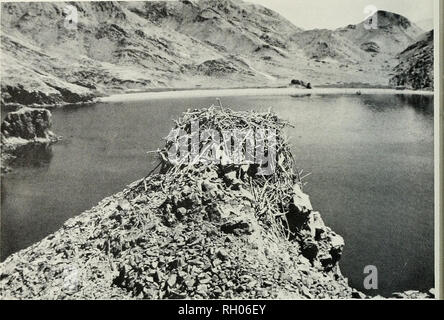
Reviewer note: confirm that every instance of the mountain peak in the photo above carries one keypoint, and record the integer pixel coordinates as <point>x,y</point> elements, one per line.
<point>388,19</point>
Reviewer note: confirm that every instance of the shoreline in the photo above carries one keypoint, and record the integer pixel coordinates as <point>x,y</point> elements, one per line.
<point>172,93</point>
<point>202,93</point>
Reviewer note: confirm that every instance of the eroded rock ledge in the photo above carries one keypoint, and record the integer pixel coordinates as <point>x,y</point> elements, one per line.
<point>19,129</point>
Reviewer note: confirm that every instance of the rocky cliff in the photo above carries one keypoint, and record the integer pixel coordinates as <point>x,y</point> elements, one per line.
<point>27,126</point>
<point>126,46</point>
<point>416,67</point>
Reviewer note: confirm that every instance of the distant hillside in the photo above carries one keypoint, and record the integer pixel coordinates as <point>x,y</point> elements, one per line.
<point>392,35</point>
<point>124,46</point>
<point>415,69</point>
<point>231,26</point>
<point>328,45</point>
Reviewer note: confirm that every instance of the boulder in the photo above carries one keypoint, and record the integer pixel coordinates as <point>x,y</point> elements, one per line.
<point>23,128</point>
<point>27,124</point>
<point>300,84</point>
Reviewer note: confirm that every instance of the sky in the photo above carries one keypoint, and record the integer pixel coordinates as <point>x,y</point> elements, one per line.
<point>331,14</point>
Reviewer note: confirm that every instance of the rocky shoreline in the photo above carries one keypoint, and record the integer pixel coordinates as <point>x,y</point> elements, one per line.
<point>132,95</point>
<point>212,231</point>
<point>23,128</point>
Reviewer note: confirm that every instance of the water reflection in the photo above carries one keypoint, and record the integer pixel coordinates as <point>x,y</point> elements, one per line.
<point>383,103</point>
<point>421,104</point>
<point>32,156</point>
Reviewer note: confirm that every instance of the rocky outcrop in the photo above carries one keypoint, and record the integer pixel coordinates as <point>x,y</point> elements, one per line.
<point>22,128</point>
<point>370,47</point>
<point>191,231</point>
<point>30,93</point>
<point>414,294</point>
<point>216,67</point>
<point>416,67</point>
<point>300,84</point>
<point>27,124</point>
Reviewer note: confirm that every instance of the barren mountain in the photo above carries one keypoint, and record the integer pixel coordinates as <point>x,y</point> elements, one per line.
<point>124,46</point>
<point>392,33</point>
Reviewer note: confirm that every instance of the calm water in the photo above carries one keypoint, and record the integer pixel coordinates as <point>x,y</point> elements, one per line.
<point>371,159</point>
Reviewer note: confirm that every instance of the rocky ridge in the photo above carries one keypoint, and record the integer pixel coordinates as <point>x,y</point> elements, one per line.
<point>416,67</point>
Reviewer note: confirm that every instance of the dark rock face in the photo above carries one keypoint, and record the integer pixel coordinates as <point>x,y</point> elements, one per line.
<point>416,67</point>
<point>370,47</point>
<point>27,124</point>
<point>300,84</point>
<point>26,96</point>
<point>216,67</point>
<point>319,244</point>
<point>388,19</point>
<point>22,128</point>
<point>323,50</point>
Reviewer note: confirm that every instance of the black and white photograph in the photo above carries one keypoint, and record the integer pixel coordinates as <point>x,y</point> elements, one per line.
<point>219,150</point>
